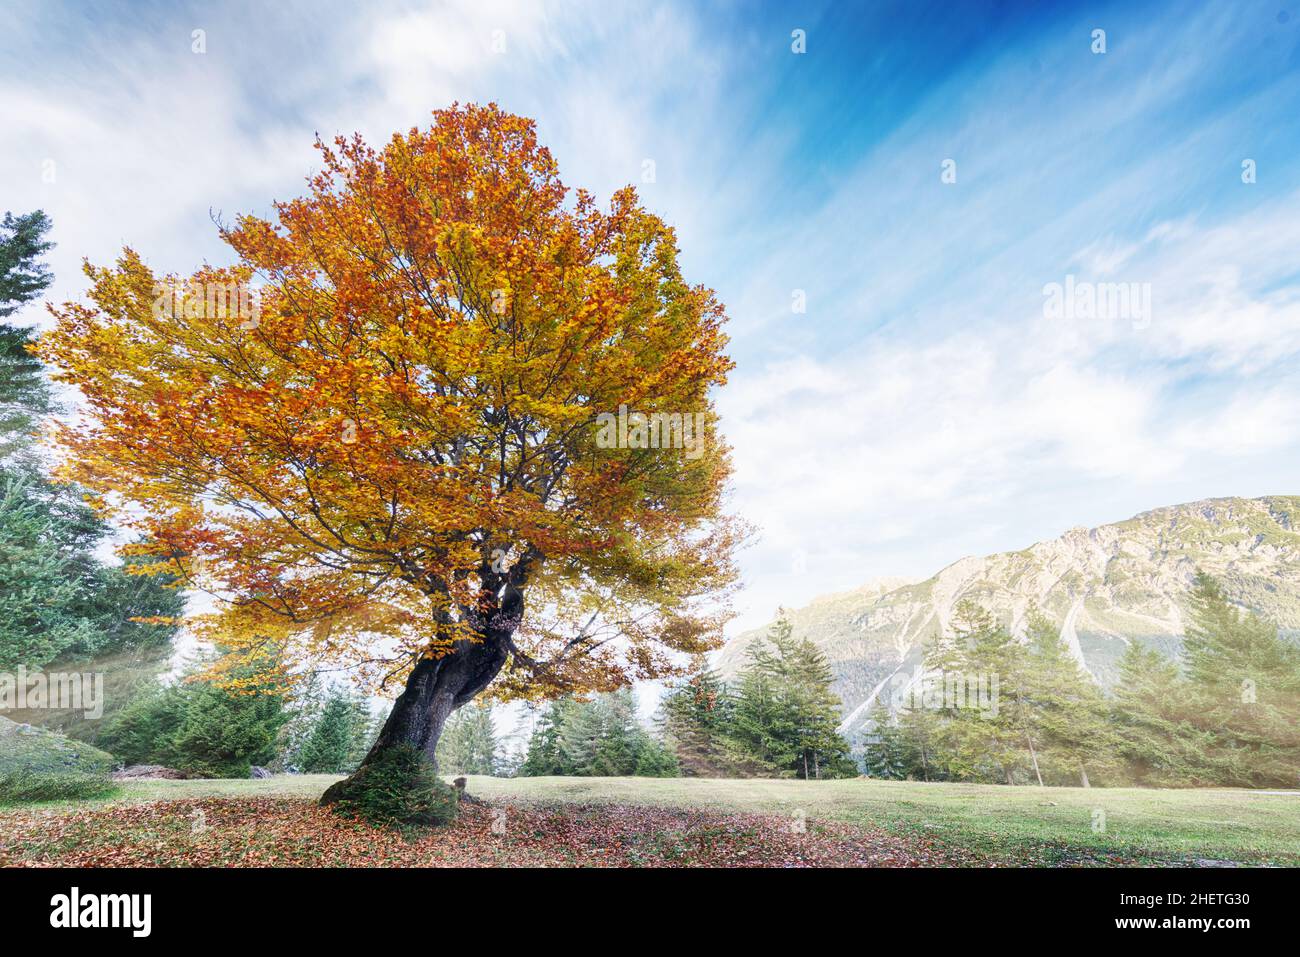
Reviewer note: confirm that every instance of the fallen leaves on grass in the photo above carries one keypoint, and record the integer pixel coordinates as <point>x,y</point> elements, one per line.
<point>269,832</point>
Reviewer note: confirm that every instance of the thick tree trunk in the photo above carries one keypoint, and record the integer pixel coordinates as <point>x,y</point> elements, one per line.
<point>1083,777</point>
<point>436,688</point>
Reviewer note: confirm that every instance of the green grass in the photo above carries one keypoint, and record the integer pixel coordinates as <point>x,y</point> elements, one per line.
<point>1017,824</point>
<point>306,786</point>
<point>1048,823</point>
<point>41,787</point>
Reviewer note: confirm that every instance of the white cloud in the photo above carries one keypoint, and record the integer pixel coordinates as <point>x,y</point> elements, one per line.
<point>838,456</point>
<point>922,407</point>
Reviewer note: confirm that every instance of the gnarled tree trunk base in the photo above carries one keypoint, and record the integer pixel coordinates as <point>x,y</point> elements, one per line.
<point>434,689</point>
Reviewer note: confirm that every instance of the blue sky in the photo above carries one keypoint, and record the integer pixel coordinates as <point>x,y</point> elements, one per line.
<point>923,407</point>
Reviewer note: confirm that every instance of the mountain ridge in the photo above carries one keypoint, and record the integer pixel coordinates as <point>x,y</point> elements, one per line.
<point>1103,586</point>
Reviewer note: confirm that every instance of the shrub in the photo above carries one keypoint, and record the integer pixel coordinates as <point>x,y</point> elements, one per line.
<point>224,733</point>
<point>656,761</point>
<point>198,728</point>
<point>25,786</point>
<point>138,734</point>
<point>399,788</point>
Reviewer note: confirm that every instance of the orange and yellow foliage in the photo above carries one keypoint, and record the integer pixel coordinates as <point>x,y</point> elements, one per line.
<point>406,425</point>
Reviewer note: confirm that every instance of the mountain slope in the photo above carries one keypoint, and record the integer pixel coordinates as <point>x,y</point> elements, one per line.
<point>1104,586</point>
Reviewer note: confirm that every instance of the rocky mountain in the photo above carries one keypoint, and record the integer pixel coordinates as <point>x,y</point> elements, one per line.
<point>1104,586</point>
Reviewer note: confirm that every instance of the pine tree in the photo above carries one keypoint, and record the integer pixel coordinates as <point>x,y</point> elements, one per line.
<point>786,715</point>
<point>1244,690</point>
<point>1068,729</point>
<point>884,754</point>
<point>697,722</point>
<point>332,744</point>
<point>24,394</point>
<point>468,744</point>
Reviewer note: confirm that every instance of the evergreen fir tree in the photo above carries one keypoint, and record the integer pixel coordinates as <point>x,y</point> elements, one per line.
<point>656,760</point>
<point>1245,691</point>
<point>982,740</point>
<point>369,724</point>
<point>921,738</point>
<point>1068,730</point>
<point>39,587</point>
<point>759,724</point>
<point>199,728</point>
<point>332,744</point>
<point>223,733</point>
<point>468,744</point>
<point>884,754</point>
<point>24,394</point>
<point>1150,717</point>
<point>699,723</point>
<point>544,756</point>
<point>785,715</point>
<point>57,600</point>
<point>823,750</point>
<point>599,737</point>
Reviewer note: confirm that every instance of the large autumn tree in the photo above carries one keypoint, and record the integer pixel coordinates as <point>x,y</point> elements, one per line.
<point>394,462</point>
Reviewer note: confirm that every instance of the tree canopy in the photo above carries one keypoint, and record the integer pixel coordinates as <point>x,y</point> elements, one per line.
<point>393,434</point>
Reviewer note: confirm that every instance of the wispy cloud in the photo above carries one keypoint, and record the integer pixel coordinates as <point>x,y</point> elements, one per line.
<point>923,406</point>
